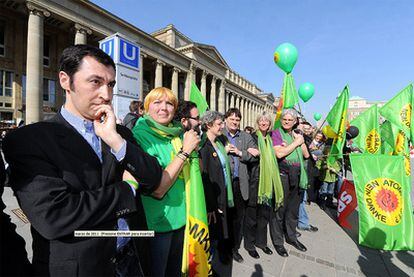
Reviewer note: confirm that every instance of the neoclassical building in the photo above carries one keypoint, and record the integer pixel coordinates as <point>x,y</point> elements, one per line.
<point>34,33</point>
<point>358,105</point>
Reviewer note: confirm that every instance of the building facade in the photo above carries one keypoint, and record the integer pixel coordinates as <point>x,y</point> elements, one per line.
<point>34,33</point>
<point>358,105</point>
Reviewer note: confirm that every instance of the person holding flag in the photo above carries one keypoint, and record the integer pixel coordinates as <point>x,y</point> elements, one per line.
<point>290,149</point>
<point>165,209</point>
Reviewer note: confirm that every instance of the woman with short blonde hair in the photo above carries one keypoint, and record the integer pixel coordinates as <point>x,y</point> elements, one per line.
<point>165,208</point>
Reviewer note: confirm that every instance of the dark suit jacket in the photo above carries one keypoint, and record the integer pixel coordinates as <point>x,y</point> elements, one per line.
<point>243,142</point>
<point>62,186</point>
<point>215,191</point>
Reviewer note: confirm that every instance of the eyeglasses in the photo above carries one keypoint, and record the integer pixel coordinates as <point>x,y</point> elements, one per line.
<point>194,118</point>
<point>288,120</point>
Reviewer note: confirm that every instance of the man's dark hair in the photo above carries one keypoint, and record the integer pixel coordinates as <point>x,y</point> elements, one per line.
<point>134,106</point>
<point>249,129</point>
<point>72,56</point>
<point>183,109</point>
<point>232,111</point>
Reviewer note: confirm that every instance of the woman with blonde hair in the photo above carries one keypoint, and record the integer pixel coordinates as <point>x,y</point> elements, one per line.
<point>265,188</point>
<point>165,209</point>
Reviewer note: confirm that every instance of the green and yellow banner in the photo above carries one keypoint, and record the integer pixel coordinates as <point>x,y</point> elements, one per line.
<point>197,248</point>
<point>384,204</point>
<point>337,119</point>
<point>399,111</point>
<point>369,138</point>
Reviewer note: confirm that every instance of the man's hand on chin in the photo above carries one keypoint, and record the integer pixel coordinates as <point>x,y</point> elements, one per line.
<point>105,127</point>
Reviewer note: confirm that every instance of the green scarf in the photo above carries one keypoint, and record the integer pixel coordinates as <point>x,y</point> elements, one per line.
<point>173,129</point>
<point>222,150</point>
<point>268,183</point>
<point>296,157</point>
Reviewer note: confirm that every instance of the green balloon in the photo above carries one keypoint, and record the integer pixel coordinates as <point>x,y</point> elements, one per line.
<point>285,56</point>
<point>306,91</point>
<point>317,116</point>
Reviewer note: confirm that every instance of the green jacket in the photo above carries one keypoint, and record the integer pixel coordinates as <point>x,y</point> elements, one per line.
<point>328,173</point>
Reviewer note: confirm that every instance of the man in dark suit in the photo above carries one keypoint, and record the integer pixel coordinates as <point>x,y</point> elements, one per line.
<point>242,151</point>
<point>67,176</point>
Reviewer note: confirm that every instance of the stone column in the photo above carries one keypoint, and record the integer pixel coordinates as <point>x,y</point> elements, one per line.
<point>245,112</point>
<point>189,80</point>
<point>158,74</point>
<point>232,100</point>
<point>241,108</point>
<point>34,64</point>
<point>213,94</point>
<point>141,75</point>
<point>174,81</point>
<point>81,35</point>
<point>255,109</point>
<point>248,116</point>
<point>237,102</point>
<point>249,113</point>
<point>222,97</point>
<point>203,84</point>
<point>227,100</point>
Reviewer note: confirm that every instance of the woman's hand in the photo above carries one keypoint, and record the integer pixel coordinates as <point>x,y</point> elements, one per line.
<point>127,176</point>
<point>233,150</point>
<point>191,141</point>
<point>298,139</point>
<point>253,151</point>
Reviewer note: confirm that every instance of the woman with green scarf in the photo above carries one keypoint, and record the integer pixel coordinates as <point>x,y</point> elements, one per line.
<point>165,209</point>
<point>217,184</point>
<point>265,190</point>
<point>290,150</point>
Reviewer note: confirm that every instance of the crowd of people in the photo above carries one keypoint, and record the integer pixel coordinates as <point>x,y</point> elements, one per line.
<point>82,171</point>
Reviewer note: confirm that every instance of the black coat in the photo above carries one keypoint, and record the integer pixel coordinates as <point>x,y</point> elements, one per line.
<point>62,186</point>
<point>13,255</point>
<point>215,190</point>
<point>254,173</point>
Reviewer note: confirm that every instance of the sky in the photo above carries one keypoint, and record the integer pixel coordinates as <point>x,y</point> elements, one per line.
<point>368,45</point>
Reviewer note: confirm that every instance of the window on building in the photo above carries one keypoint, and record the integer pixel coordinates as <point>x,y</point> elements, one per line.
<point>6,83</point>
<point>49,91</point>
<point>46,51</point>
<point>2,38</point>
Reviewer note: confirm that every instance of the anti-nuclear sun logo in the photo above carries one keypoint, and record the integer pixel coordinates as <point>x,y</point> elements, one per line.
<point>383,199</point>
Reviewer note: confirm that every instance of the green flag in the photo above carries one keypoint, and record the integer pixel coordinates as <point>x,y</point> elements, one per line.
<point>368,140</point>
<point>396,143</point>
<point>198,99</point>
<point>196,259</point>
<point>388,134</point>
<point>289,93</point>
<point>336,118</point>
<point>399,110</point>
<point>384,204</point>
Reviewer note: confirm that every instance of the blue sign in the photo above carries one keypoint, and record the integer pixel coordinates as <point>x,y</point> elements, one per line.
<point>128,53</point>
<point>109,47</point>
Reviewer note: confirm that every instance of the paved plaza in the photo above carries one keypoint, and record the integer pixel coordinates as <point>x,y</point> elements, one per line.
<point>331,251</point>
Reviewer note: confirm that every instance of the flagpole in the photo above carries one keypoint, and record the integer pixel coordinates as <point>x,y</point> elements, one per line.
<point>319,128</point>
